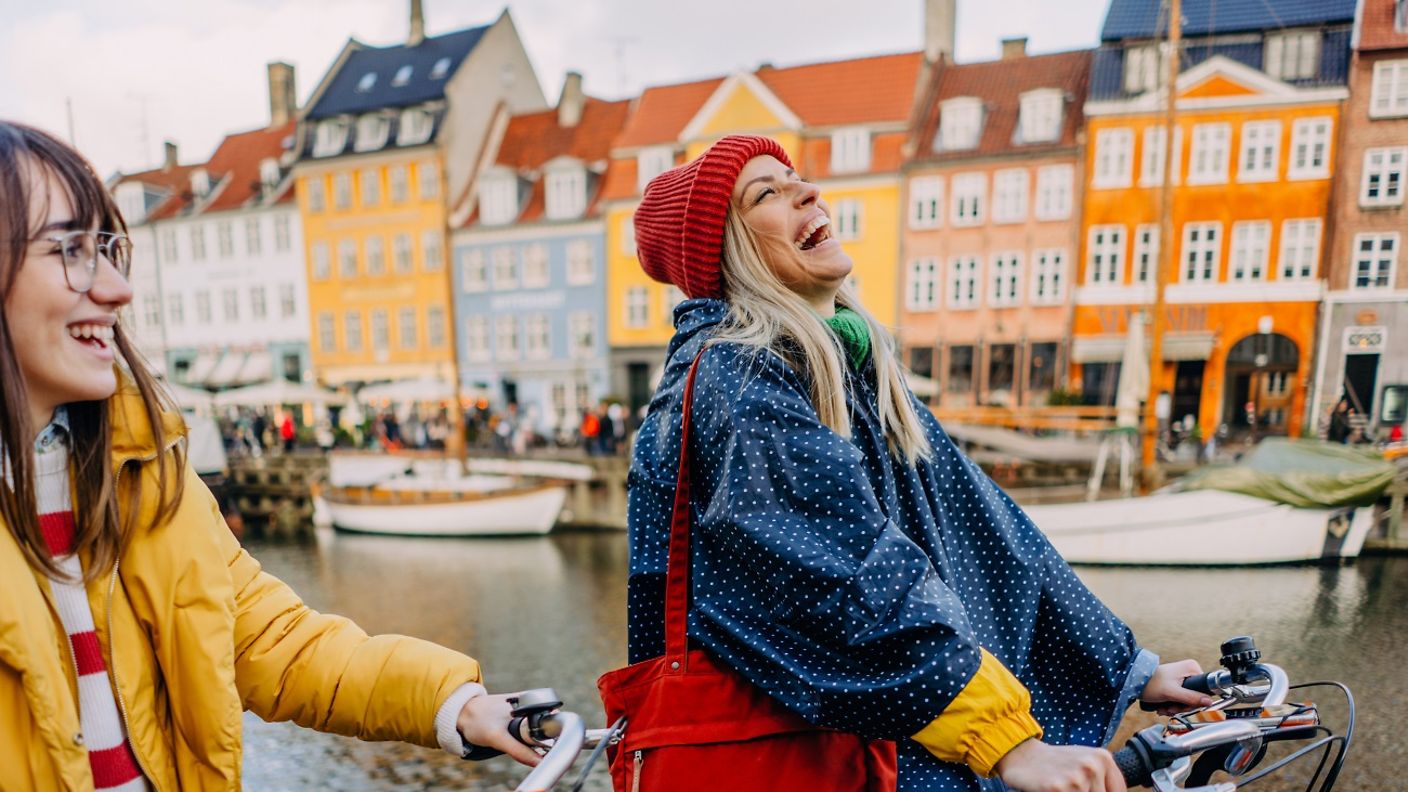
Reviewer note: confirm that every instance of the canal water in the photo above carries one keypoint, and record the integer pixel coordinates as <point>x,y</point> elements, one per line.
<point>552,612</point>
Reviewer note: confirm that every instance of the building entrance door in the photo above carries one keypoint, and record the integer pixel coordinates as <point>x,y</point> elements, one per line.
<point>1361,379</point>
<point>1188,390</point>
<point>638,385</point>
<point>1260,380</point>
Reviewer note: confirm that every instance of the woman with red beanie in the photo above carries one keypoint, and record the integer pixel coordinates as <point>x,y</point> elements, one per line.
<point>846,558</point>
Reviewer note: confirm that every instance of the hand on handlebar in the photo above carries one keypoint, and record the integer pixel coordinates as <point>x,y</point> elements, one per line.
<point>484,721</point>
<point>1035,766</point>
<point>1165,689</point>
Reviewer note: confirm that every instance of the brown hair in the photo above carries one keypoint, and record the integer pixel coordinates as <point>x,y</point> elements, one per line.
<point>101,526</point>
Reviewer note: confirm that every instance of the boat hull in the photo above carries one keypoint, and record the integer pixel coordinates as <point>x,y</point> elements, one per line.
<point>1205,528</point>
<point>531,513</point>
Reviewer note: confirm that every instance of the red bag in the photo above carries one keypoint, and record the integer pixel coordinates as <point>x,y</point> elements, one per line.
<point>693,724</point>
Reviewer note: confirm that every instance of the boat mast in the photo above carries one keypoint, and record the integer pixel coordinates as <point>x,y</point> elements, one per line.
<point>1167,260</point>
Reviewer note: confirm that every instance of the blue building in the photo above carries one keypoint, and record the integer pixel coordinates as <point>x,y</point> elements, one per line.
<point>530,277</point>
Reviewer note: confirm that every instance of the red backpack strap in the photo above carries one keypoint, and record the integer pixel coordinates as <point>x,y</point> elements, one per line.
<point>677,569</point>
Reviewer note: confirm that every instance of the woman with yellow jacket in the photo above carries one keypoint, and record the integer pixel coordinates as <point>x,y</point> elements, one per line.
<point>133,628</point>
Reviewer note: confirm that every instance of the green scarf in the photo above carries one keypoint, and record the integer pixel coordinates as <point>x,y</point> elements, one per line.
<point>854,334</point>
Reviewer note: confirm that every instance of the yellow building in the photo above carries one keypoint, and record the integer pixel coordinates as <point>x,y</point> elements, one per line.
<point>842,123</point>
<point>388,141</point>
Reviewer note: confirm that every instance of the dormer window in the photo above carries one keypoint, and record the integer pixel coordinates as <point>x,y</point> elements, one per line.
<point>566,192</point>
<point>1293,55</point>
<point>850,150</point>
<point>1142,68</point>
<point>330,137</point>
<point>415,127</point>
<point>498,199</point>
<point>132,201</point>
<point>403,76</point>
<point>268,173</point>
<point>440,69</point>
<point>960,123</point>
<point>367,82</point>
<point>1040,119</point>
<point>652,162</point>
<point>200,182</point>
<point>372,130</point>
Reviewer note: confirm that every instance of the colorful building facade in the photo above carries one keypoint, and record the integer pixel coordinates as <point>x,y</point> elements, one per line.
<point>529,277</point>
<point>1254,150</point>
<point>991,227</point>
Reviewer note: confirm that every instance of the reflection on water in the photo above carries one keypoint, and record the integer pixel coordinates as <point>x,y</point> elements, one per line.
<point>552,612</point>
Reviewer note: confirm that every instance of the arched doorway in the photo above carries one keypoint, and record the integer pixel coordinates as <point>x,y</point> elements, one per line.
<point>1259,381</point>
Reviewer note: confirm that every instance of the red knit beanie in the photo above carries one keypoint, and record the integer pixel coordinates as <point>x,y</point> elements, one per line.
<point>680,221</point>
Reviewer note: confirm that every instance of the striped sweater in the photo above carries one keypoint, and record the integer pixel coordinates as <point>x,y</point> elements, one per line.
<point>110,754</point>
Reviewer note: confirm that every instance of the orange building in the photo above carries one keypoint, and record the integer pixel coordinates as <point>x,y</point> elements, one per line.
<point>1252,169</point>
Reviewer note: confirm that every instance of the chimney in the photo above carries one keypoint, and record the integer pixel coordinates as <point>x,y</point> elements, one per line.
<point>940,27</point>
<point>417,24</point>
<point>569,104</point>
<point>283,94</point>
<point>171,159</point>
<point>1014,48</point>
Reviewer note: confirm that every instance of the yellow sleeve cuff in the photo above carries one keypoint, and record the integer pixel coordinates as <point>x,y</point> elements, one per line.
<point>988,718</point>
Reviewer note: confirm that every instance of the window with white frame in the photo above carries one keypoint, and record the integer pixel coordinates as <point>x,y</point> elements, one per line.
<point>372,130</point>
<point>1143,68</point>
<point>1207,162</point>
<point>960,124</point>
<point>966,200</point>
<point>253,238</point>
<point>197,242</point>
<point>288,301</point>
<point>1293,55</point>
<point>506,336</point>
<point>1310,148</point>
<point>283,233</point>
<point>922,289</point>
<point>846,219</point>
<point>1105,266</point>
<point>673,297</point>
<point>476,337</point>
<point>505,269</point>
<point>408,327</point>
<point>432,247</point>
<point>581,329</point>
<point>428,177</point>
<point>401,249</point>
<point>176,309</point>
<point>317,194</point>
<point>537,336</point>
<point>376,255</point>
<point>342,190</point>
<point>628,236</point>
<point>230,302</point>
<point>850,150</point>
<point>397,178</point>
<point>637,307</point>
<point>1251,250</point>
<point>269,173</point>
<point>435,326</point>
<point>926,202</point>
<point>651,162</point>
<point>258,303</point>
<point>1260,152</point>
<point>170,247</point>
<point>474,275</point>
<point>347,258</point>
<point>403,76</point>
<point>498,199</point>
<point>566,193</point>
<point>581,263</point>
<point>1300,248</point>
<point>1055,185</point>
<point>535,266</point>
<point>327,334</point>
<point>1400,16</point>
<point>322,261</point>
<point>1114,150</point>
<point>381,330</point>
<point>203,314</point>
<point>225,238</point>
<point>330,137</point>
<point>371,186</point>
<point>1202,252</point>
<point>963,288</point>
<point>1006,279</point>
<point>416,125</point>
<point>1375,256</point>
<point>352,330</point>
<point>1389,95</point>
<point>1039,116</point>
<point>151,310</point>
<point>1048,276</point>
<point>1151,163</point>
<point>1009,195</point>
<point>1146,252</point>
<point>1384,174</point>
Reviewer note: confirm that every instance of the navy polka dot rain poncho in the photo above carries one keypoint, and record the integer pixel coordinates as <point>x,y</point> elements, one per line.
<point>850,586</point>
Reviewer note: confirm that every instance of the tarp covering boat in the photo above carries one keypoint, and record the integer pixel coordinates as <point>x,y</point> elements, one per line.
<point>1302,473</point>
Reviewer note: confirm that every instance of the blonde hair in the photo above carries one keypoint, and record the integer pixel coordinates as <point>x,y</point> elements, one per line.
<point>766,315</point>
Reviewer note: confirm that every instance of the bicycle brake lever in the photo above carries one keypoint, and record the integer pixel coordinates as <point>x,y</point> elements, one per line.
<point>1169,778</point>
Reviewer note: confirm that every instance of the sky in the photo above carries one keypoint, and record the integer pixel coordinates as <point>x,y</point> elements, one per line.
<point>134,73</point>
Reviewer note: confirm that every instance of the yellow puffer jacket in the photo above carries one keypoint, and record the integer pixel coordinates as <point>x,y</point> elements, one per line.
<point>193,632</point>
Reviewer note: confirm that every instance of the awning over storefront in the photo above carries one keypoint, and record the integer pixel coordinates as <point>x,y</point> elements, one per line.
<point>226,372</point>
<point>258,367</point>
<point>1110,348</point>
<point>201,367</point>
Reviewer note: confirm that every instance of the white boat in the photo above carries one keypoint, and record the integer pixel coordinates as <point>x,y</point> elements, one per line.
<point>473,506</point>
<point>1200,528</point>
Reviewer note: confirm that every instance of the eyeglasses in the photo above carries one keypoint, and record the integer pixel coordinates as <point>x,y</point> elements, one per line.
<point>80,251</point>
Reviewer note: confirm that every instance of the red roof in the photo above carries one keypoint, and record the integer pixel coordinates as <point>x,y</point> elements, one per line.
<point>1376,28</point>
<point>174,181</point>
<point>1000,85</point>
<point>875,89</point>
<point>662,112</point>
<point>236,164</point>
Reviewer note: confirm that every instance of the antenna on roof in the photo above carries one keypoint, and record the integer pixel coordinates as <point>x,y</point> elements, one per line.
<point>68,109</point>
<point>142,100</point>
<point>618,44</point>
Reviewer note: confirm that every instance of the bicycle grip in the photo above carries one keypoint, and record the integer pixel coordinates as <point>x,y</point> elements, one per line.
<point>1197,683</point>
<point>1132,767</point>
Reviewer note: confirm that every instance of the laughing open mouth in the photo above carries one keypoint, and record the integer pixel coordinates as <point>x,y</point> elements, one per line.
<point>92,334</point>
<point>813,233</point>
